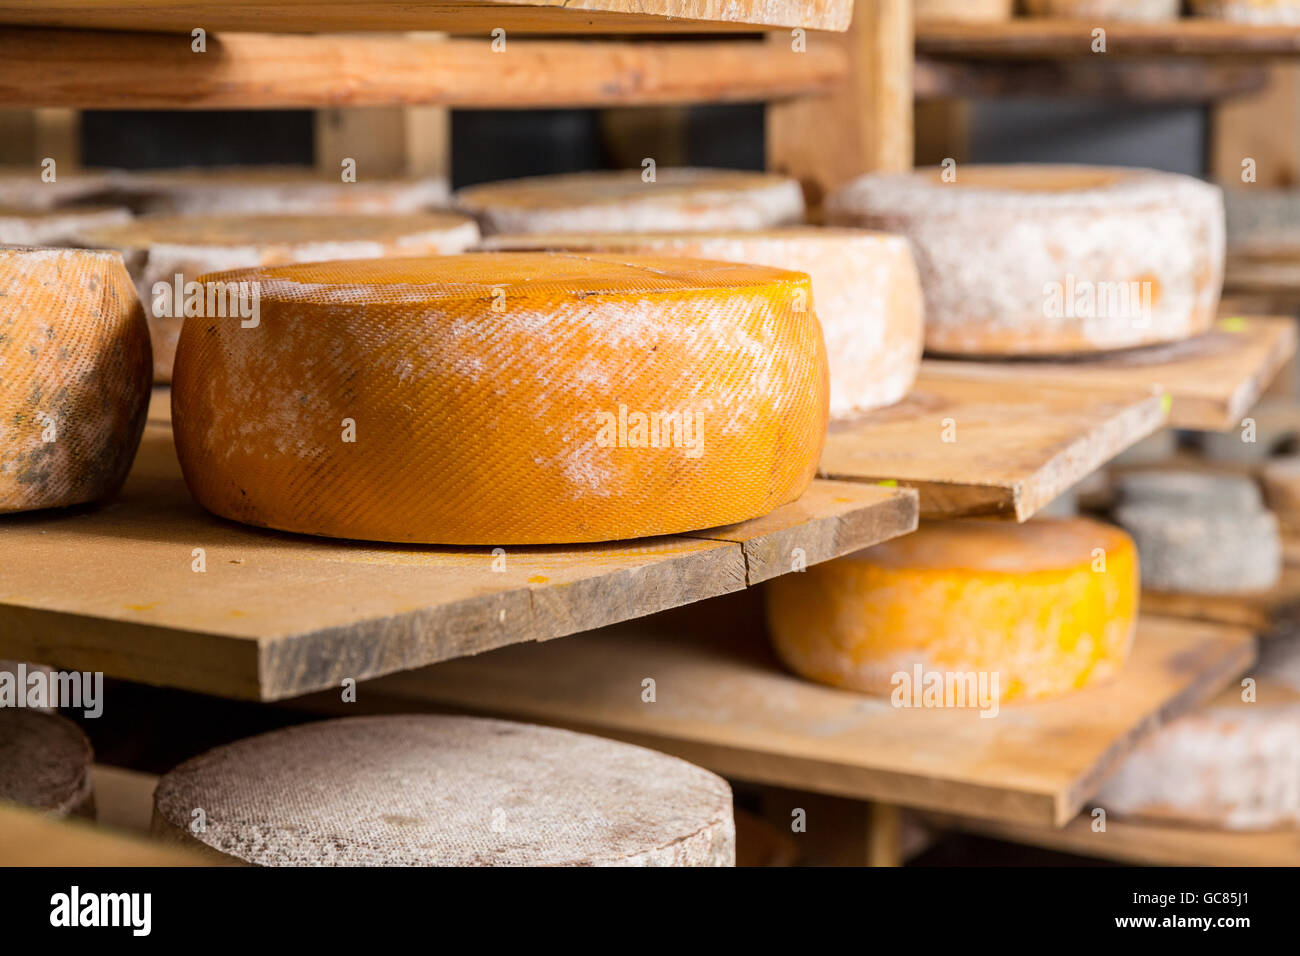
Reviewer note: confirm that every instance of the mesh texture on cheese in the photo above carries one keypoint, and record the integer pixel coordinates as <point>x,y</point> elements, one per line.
<point>1044,260</point>
<point>504,398</point>
<point>866,294</point>
<point>447,791</point>
<point>74,376</point>
<point>679,200</point>
<point>1026,602</point>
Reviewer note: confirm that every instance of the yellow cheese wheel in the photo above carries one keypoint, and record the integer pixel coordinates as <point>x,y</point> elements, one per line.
<point>159,248</point>
<point>74,376</point>
<point>1051,260</point>
<point>865,289</point>
<point>1047,606</point>
<point>54,227</point>
<point>1270,12</point>
<point>503,398</point>
<point>680,200</point>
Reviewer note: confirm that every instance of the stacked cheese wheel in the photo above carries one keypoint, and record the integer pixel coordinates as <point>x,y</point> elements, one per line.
<point>865,293</point>
<point>1283,12</point>
<point>445,791</point>
<point>228,190</point>
<point>1020,260</point>
<point>52,227</point>
<point>1105,9</point>
<point>1044,607</point>
<point>504,398</point>
<point>74,376</point>
<point>44,763</point>
<point>158,249</point>
<point>623,201</point>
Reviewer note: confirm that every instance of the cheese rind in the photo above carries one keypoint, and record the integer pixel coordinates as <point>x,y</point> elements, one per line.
<point>679,200</point>
<point>504,398</point>
<point>1049,606</point>
<point>866,294</point>
<point>1262,12</point>
<point>74,376</point>
<point>159,248</point>
<point>1043,260</point>
<point>45,762</point>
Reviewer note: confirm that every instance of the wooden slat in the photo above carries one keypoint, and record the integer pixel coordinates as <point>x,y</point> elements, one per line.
<point>1257,610</point>
<point>28,838</point>
<point>112,588</point>
<point>1017,444</point>
<point>84,69</point>
<point>1212,380</point>
<point>722,701</point>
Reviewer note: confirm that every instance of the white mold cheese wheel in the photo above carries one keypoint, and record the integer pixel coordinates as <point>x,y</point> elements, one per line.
<point>1047,606</point>
<point>228,190</point>
<point>158,248</point>
<point>45,762</point>
<point>25,187</point>
<point>866,294</point>
<point>446,791</point>
<point>679,200</point>
<point>53,227</point>
<point>1148,10</point>
<point>1264,12</point>
<point>1043,260</point>
<point>504,398</point>
<point>74,376</point>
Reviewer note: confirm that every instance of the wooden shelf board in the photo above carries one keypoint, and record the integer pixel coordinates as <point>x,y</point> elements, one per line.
<point>1045,38</point>
<point>28,838</point>
<point>111,587</point>
<point>83,69</point>
<point>1212,380</point>
<point>1016,448</point>
<point>452,16</point>
<point>724,702</point>
<point>1258,610</point>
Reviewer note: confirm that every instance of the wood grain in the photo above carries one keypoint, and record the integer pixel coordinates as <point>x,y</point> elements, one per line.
<point>1017,444</point>
<point>112,588</point>
<point>87,70</point>
<point>28,838</point>
<point>1212,380</point>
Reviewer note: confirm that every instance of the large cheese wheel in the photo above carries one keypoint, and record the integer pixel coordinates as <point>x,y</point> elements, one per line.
<point>74,376</point>
<point>1250,11</point>
<point>229,190</point>
<point>1048,606</point>
<point>865,291</point>
<point>446,791</point>
<point>504,398</point>
<point>1105,9</point>
<point>52,227</point>
<point>44,763</point>
<point>26,187</point>
<point>679,200</point>
<point>1021,260</point>
<point>159,248</point>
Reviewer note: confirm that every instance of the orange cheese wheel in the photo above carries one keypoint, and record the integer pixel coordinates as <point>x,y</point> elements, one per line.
<point>1146,10</point>
<point>74,376</point>
<point>865,289</point>
<point>159,248</point>
<point>1037,605</point>
<point>679,200</point>
<point>1044,260</point>
<point>1264,12</point>
<point>504,398</point>
<point>53,227</point>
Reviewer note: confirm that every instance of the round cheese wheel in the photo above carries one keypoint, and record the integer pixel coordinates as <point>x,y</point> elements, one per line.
<point>159,248</point>
<point>74,376</point>
<point>1041,260</point>
<point>865,292</point>
<point>50,227</point>
<point>1047,606</point>
<point>45,763</point>
<point>1105,9</point>
<point>504,398</point>
<point>963,9</point>
<point>1286,12</point>
<point>226,190</point>
<point>679,200</point>
<point>424,790</point>
<point>24,187</point>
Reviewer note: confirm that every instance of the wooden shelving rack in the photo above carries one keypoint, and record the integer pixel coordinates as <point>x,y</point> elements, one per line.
<point>280,616</point>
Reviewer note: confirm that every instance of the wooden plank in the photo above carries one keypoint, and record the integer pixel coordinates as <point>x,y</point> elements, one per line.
<point>1013,449</point>
<point>723,701</point>
<point>264,71</point>
<point>112,588</point>
<point>452,16</point>
<point>28,838</point>
<point>1260,611</point>
<point>1044,38</point>
<point>1212,380</point>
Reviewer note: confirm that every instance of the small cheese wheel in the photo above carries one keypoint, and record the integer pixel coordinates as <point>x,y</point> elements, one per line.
<point>26,187</point>
<point>1191,491</point>
<point>1048,606</point>
<point>52,227</point>
<point>158,248</point>
<point>1043,260</point>
<point>229,190</point>
<point>866,294</point>
<point>1149,10</point>
<point>963,9</point>
<point>1263,12</point>
<point>679,200</point>
<point>425,790</point>
<point>45,763</point>
<point>504,398</point>
<point>74,376</point>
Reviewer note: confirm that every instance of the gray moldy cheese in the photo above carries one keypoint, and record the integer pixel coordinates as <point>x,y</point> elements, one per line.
<point>44,763</point>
